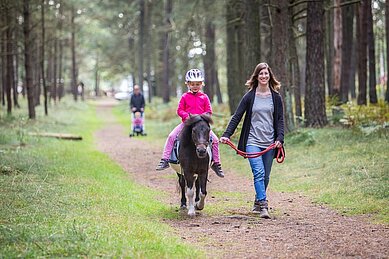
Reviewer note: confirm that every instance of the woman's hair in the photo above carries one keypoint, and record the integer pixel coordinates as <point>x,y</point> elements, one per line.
<point>252,83</point>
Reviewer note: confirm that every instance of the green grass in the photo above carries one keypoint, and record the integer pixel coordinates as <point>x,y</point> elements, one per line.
<point>339,167</point>
<point>344,168</point>
<point>65,199</point>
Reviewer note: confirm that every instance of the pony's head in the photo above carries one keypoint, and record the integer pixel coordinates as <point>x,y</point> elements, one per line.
<point>199,125</point>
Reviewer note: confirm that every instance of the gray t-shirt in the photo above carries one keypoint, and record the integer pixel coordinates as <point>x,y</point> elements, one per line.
<point>261,128</point>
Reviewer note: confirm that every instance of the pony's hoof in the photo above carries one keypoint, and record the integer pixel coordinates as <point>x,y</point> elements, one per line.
<point>191,213</point>
<point>183,207</point>
<point>198,207</point>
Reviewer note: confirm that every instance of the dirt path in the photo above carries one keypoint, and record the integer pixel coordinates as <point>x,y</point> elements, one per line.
<point>298,229</point>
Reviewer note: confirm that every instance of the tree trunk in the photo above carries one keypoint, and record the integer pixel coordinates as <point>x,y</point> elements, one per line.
<point>371,48</point>
<point>336,67</point>
<point>252,35</point>
<point>217,88</point>
<point>362,51</point>
<point>209,59</point>
<point>61,91</point>
<point>3,22</point>
<point>148,14</point>
<point>347,46</point>
<point>166,53</point>
<point>294,67</point>
<point>281,60</point>
<point>9,75</point>
<point>315,111</point>
<point>43,56</point>
<point>97,77</point>
<point>235,54</point>
<point>27,59</point>
<point>387,48</point>
<point>73,51</point>
<point>141,42</point>
<point>329,50</point>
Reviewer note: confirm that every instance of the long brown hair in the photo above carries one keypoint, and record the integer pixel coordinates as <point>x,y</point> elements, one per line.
<point>252,83</point>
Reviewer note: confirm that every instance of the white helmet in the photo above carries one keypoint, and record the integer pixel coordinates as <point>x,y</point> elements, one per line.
<point>194,75</point>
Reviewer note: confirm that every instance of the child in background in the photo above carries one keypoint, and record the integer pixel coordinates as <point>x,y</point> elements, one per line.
<point>192,102</point>
<point>137,122</point>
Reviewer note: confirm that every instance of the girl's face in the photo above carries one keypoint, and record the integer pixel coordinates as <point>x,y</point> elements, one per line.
<point>263,76</point>
<point>195,86</point>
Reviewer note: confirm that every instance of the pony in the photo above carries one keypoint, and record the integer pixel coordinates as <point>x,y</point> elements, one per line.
<point>194,156</point>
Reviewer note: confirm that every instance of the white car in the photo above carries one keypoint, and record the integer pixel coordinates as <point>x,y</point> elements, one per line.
<point>122,96</point>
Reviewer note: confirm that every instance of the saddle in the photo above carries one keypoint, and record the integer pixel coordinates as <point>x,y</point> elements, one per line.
<point>174,155</point>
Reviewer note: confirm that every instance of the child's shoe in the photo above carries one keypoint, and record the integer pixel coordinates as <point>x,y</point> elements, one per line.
<point>217,167</point>
<point>163,164</point>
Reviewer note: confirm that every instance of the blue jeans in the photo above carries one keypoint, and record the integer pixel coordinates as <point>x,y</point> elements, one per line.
<point>261,167</point>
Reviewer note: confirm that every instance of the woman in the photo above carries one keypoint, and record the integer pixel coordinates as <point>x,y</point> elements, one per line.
<point>263,125</point>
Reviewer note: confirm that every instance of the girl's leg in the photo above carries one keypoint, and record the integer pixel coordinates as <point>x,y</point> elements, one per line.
<point>217,167</point>
<point>258,169</point>
<point>170,141</point>
<point>215,148</point>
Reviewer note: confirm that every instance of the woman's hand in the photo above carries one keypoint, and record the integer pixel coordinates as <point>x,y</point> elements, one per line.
<point>278,144</point>
<point>224,140</point>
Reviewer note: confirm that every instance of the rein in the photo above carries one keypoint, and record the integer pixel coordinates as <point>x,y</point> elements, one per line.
<point>280,153</point>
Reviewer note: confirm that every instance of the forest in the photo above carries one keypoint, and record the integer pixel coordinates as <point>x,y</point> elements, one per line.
<point>325,53</point>
<point>77,180</point>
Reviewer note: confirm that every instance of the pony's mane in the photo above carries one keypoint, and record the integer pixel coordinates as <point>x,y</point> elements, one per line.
<point>187,130</point>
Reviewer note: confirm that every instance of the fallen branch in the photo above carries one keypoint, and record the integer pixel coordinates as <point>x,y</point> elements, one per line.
<point>56,135</point>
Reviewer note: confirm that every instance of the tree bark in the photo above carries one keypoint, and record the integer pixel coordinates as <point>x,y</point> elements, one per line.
<point>43,57</point>
<point>362,51</point>
<point>329,50</point>
<point>294,67</point>
<point>27,58</point>
<point>73,51</point>
<point>166,52</point>
<point>61,90</point>
<point>314,112</point>
<point>387,49</point>
<point>336,68</point>
<point>252,35</point>
<point>148,15</point>
<point>209,59</point>
<point>280,66</point>
<point>9,64</point>
<point>235,54</point>
<point>347,46</point>
<point>141,42</point>
<point>371,49</point>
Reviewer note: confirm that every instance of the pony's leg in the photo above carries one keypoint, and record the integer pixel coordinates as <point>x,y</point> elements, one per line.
<point>181,181</point>
<point>190,194</point>
<point>197,184</point>
<point>203,187</point>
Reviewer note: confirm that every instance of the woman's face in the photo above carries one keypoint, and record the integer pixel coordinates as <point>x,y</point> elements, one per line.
<point>263,76</point>
<point>195,86</point>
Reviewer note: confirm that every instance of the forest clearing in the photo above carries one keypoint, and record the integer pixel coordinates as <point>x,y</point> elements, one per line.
<point>94,94</point>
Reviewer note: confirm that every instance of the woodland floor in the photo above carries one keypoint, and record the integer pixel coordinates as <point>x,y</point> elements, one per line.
<point>298,228</point>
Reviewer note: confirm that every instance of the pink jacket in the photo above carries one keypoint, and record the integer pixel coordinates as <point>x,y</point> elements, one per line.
<point>194,104</point>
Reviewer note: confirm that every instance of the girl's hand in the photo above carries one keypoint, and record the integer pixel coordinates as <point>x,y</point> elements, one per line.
<point>224,140</point>
<point>278,144</point>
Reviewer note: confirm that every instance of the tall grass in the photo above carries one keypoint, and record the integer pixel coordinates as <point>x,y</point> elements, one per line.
<point>65,199</point>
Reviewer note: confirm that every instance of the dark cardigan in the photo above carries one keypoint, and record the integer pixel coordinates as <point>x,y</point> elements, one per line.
<point>245,106</point>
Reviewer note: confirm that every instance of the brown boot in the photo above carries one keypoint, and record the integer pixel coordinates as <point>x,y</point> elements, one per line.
<point>263,210</point>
